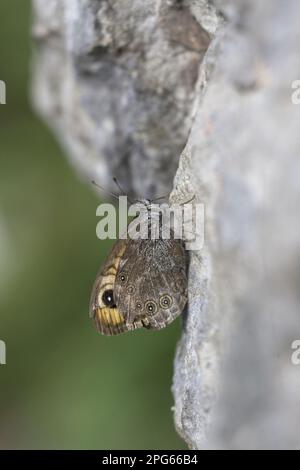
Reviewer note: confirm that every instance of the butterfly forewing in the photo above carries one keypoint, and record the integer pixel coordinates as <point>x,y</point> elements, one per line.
<point>142,284</point>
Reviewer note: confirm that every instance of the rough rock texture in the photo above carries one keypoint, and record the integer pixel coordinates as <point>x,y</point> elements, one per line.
<point>116,80</point>
<point>122,83</point>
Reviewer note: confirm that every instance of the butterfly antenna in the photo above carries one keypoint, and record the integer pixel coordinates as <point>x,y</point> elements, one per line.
<point>121,189</point>
<point>158,198</point>
<point>105,191</point>
<point>118,185</point>
<point>187,202</point>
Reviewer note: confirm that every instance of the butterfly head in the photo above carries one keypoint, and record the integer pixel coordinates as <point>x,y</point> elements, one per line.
<point>144,202</point>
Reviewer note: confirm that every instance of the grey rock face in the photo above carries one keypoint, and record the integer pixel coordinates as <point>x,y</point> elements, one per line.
<point>116,80</point>
<point>126,85</point>
<point>234,383</point>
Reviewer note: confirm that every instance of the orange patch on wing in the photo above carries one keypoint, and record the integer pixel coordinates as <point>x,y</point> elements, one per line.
<point>109,316</point>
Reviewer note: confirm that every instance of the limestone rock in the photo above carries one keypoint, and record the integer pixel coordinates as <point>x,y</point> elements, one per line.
<point>127,86</point>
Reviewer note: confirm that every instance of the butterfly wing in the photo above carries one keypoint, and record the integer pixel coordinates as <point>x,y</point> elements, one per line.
<point>151,283</point>
<point>108,319</point>
<point>146,285</point>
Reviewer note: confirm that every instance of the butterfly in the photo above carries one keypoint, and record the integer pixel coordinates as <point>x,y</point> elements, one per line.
<point>143,283</point>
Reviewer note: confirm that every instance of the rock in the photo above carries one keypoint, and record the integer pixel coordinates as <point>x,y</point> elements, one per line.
<point>125,90</point>
<point>117,83</point>
<point>234,383</point>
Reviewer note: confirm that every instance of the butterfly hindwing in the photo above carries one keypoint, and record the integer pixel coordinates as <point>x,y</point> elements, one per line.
<point>151,284</point>
<point>142,284</point>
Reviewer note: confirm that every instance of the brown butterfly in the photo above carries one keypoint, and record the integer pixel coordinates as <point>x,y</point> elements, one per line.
<point>142,284</point>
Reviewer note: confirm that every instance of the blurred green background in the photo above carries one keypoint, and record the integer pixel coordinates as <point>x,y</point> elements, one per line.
<point>64,385</point>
